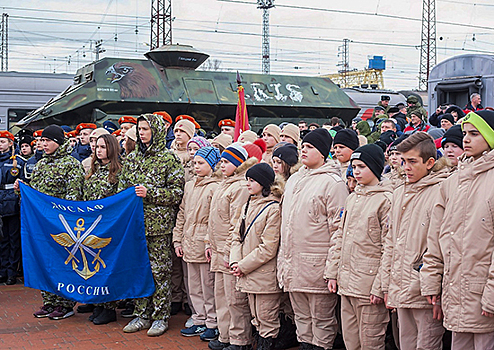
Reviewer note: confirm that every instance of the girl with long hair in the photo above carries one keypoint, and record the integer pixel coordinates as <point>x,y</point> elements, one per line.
<point>101,182</point>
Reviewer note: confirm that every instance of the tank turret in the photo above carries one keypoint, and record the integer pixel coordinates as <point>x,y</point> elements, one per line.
<point>177,56</point>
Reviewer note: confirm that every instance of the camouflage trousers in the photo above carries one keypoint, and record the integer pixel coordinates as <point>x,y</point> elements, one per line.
<point>111,305</point>
<point>158,305</point>
<point>55,300</point>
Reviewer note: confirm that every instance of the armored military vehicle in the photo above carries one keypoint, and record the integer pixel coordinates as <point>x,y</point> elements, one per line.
<point>168,79</point>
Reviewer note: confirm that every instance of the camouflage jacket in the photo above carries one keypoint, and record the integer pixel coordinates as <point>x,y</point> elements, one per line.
<point>161,172</point>
<point>417,107</point>
<point>98,186</point>
<point>59,174</point>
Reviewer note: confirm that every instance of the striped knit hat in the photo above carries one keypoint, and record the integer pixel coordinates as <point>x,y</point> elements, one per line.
<point>210,154</point>
<point>200,141</point>
<point>235,154</point>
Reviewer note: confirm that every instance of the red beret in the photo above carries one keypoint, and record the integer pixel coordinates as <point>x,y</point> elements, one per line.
<point>127,119</point>
<point>82,126</point>
<point>38,133</point>
<point>226,122</point>
<point>6,134</point>
<point>165,115</point>
<point>72,133</point>
<point>188,117</point>
<point>117,132</point>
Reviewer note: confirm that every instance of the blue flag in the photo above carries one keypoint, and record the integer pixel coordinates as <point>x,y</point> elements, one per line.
<point>90,252</point>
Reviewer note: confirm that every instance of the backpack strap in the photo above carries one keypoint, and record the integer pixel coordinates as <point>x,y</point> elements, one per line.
<point>259,214</point>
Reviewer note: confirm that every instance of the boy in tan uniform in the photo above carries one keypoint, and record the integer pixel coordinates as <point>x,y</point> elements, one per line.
<point>406,244</point>
<point>459,264</point>
<point>354,263</point>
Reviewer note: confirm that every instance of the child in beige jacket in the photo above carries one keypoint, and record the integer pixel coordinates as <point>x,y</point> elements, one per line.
<point>354,263</point>
<point>232,308</point>
<point>253,252</point>
<point>459,264</point>
<point>419,322</point>
<point>188,240</point>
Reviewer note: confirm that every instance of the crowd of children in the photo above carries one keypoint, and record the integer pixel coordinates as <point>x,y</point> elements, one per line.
<point>335,232</point>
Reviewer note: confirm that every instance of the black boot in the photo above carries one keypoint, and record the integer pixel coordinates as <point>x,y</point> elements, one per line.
<point>96,312</point>
<point>265,343</point>
<point>305,346</point>
<point>187,309</point>
<point>85,308</point>
<point>239,347</point>
<point>106,316</point>
<point>217,345</point>
<point>176,308</point>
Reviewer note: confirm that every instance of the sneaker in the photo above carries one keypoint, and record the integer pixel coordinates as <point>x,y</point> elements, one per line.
<point>194,330</point>
<point>128,312</point>
<point>97,310</point>
<point>136,325</point>
<point>217,345</point>
<point>61,312</point>
<point>158,328</point>
<point>85,308</point>
<point>44,311</point>
<point>189,322</point>
<point>105,316</point>
<point>210,334</point>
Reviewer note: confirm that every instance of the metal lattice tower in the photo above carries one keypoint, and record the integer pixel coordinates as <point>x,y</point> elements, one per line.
<point>428,42</point>
<point>4,48</point>
<point>344,53</point>
<point>265,5</point>
<point>161,23</point>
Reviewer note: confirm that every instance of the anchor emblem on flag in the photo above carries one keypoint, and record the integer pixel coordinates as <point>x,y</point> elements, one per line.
<point>84,242</point>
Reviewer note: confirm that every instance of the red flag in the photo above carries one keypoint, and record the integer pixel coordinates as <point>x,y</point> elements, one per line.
<point>241,117</point>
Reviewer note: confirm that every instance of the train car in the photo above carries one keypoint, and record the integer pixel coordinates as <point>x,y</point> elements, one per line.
<point>367,99</point>
<point>169,80</point>
<point>455,79</point>
<point>21,93</point>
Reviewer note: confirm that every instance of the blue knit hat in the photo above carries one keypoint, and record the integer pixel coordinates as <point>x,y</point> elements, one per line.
<point>210,154</point>
<point>235,154</point>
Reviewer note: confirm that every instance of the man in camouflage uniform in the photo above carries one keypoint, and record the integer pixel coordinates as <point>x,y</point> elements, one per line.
<point>159,178</point>
<point>60,175</point>
<point>384,104</point>
<point>414,105</point>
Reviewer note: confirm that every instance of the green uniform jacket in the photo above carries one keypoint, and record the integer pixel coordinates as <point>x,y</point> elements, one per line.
<point>160,171</point>
<point>98,186</point>
<point>59,174</point>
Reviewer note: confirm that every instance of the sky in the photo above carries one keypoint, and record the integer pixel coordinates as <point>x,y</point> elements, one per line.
<point>59,35</point>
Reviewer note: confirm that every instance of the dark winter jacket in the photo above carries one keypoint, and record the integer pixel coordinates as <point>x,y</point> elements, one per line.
<point>9,200</point>
<point>30,164</point>
<point>81,152</point>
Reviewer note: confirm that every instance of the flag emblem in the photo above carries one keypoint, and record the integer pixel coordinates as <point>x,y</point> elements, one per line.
<point>84,242</point>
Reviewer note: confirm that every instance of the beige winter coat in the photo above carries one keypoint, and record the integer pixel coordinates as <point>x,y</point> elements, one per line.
<point>181,152</point>
<point>193,216</point>
<point>406,242</point>
<point>256,255</point>
<point>460,259</point>
<point>358,244</point>
<point>230,195</point>
<point>311,208</point>
<point>396,177</point>
<point>267,157</point>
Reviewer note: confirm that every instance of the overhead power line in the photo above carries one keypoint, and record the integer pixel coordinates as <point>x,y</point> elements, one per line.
<point>359,13</point>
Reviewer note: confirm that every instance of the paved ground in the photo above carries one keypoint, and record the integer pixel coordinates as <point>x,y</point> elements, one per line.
<point>19,329</point>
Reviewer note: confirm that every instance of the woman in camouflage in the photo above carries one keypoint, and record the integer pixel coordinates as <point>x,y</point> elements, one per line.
<point>101,182</point>
<point>158,177</point>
